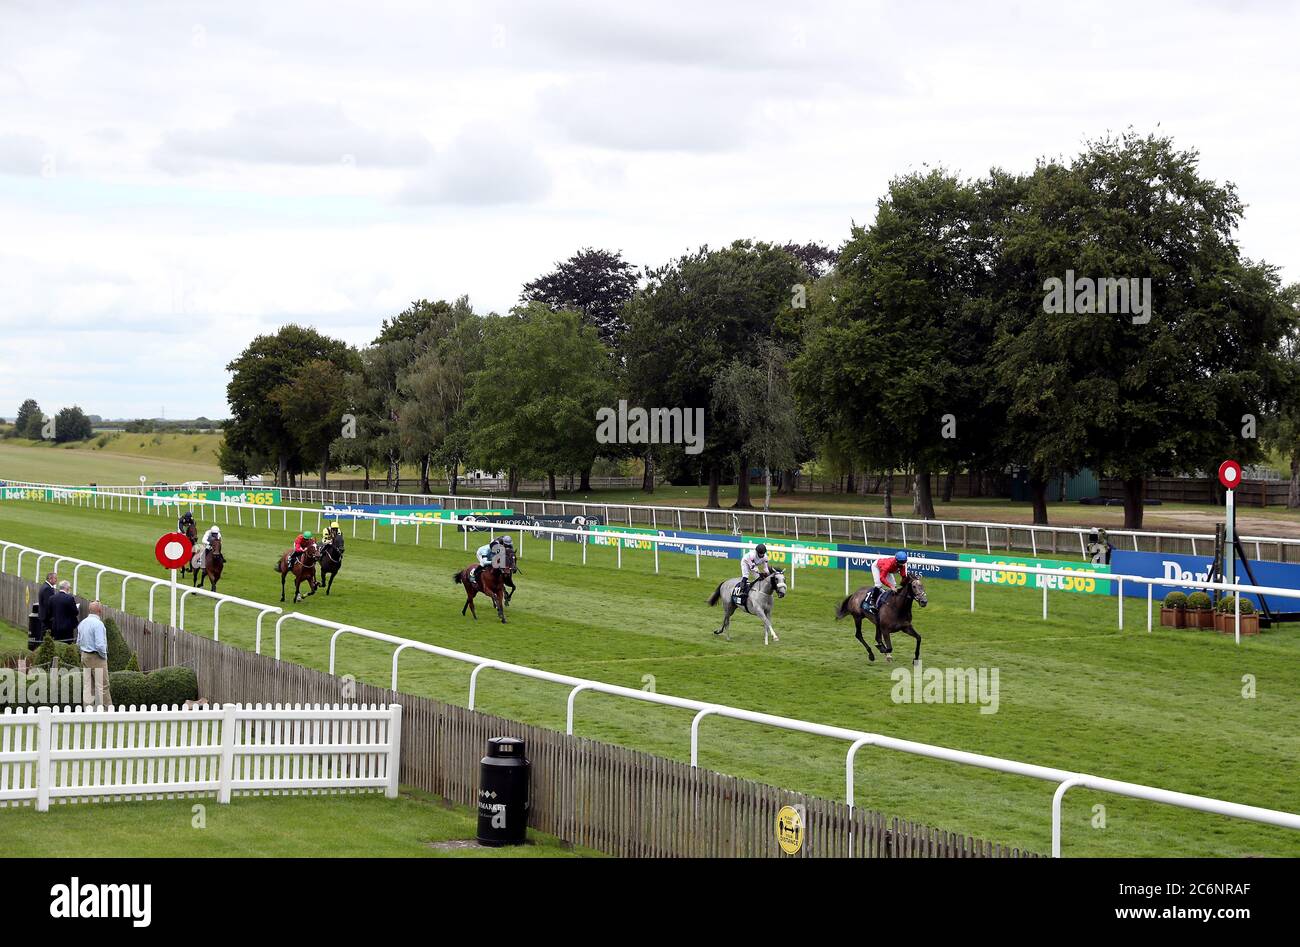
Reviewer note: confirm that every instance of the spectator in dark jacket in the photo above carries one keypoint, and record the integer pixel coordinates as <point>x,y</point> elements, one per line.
<point>64,614</point>
<point>47,593</point>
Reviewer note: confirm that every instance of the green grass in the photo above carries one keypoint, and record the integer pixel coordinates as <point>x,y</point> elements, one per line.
<point>1163,709</point>
<point>125,458</point>
<point>414,825</point>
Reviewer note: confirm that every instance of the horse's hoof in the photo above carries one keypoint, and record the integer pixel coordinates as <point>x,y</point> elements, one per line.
<point>871,656</point>
<point>889,659</point>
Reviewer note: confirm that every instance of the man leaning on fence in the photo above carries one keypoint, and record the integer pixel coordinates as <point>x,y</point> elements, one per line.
<point>92,639</point>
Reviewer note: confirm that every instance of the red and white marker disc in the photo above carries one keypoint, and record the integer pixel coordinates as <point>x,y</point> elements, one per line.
<point>173,550</point>
<point>1230,474</point>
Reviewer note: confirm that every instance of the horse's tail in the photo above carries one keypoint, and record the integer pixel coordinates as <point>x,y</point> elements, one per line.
<point>455,578</point>
<point>279,563</point>
<point>717,594</point>
<point>843,608</point>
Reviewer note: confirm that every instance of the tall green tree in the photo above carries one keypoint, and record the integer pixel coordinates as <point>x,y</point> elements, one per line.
<point>531,404</point>
<point>1280,430</point>
<point>71,424</point>
<point>313,401</point>
<point>694,318</point>
<point>1169,393</point>
<point>898,367</point>
<point>758,395</point>
<point>269,362</point>
<point>432,392</point>
<point>26,411</point>
<point>596,283</point>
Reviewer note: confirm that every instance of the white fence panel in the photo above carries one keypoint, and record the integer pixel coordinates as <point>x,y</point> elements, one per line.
<point>79,755</point>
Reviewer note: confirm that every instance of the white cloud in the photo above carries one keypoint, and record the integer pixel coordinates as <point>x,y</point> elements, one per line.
<point>481,166</point>
<point>488,141</point>
<point>304,133</point>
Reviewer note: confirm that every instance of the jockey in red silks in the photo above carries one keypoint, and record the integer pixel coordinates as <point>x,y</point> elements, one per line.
<point>299,546</point>
<point>888,572</point>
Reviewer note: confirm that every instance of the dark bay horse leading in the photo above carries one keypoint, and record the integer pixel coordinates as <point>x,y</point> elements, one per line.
<point>331,564</point>
<point>894,616</point>
<point>192,534</point>
<point>491,582</point>
<point>213,565</point>
<point>304,570</point>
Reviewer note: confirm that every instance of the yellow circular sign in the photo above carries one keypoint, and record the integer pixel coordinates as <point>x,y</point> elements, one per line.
<point>789,830</point>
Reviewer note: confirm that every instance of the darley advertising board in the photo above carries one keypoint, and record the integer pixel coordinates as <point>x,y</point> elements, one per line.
<point>1188,573</point>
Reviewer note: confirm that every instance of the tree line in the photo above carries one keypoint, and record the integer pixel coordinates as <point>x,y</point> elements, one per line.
<point>69,424</point>
<point>971,326</point>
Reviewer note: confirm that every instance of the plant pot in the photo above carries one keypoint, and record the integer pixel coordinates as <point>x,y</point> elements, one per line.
<point>1172,617</point>
<point>1200,618</point>
<point>1226,623</point>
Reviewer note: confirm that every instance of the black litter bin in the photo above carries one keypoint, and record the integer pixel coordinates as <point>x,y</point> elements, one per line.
<point>503,793</point>
<point>35,633</point>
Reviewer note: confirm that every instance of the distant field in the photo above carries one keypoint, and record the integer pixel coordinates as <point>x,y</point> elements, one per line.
<point>120,459</point>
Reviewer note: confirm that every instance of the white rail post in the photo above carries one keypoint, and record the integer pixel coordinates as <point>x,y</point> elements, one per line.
<point>1149,587</point>
<point>972,586</point>
<point>229,732</point>
<point>44,773</point>
<point>1121,603</point>
<point>656,555</point>
<point>394,749</point>
<point>1057,797</point>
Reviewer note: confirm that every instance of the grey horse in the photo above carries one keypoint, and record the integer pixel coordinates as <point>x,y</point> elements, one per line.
<point>759,601</point>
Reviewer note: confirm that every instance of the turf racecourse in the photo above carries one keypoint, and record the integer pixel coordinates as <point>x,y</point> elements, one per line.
<point>1164,709</point>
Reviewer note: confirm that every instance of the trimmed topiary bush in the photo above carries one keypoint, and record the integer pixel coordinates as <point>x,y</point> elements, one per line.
<point>1176,600</point>
<point>119,652</point>
<point>44,655</point>
<point>128,688</point>
<point>69,655</point>
<point>134,663</point>
<point>171,685</point>
<point>1198,600</point>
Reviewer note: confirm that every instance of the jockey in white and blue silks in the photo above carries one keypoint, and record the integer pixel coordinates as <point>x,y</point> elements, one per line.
<point>753,565</point>
<point>485,555</point>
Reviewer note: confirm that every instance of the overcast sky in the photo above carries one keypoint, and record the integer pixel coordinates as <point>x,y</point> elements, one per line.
<point>176,178</point>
